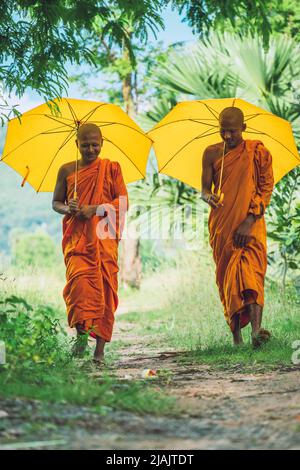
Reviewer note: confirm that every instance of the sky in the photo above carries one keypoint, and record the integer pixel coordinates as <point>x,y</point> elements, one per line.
<point>175,30</point>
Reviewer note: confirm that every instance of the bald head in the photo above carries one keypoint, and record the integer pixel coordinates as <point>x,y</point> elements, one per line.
<point>87,128</point>
<point>89,142</point>
<point>233,116</point>
<point>231,121</point>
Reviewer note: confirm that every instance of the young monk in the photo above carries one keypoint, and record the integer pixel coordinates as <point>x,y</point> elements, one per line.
<point>91,232</point>
<point>237,226</point>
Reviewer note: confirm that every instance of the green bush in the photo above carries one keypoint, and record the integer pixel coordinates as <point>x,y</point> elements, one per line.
<point>31,336</point>
<point>153,256</point>
<point>34,249</point>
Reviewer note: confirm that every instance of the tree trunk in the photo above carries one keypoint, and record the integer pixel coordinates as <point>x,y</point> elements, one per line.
<point>130,263</point>
<point>130,259</point>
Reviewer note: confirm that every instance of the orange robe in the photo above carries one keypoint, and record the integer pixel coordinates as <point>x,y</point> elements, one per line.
<point>91,262</point>
<point>247,185</point>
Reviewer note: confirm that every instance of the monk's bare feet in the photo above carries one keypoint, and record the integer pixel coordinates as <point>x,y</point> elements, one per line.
<point>99,351</point>
<point>237,339</point>
<point>237,335</point>
<point>99,358</point>
<point>260,337</point>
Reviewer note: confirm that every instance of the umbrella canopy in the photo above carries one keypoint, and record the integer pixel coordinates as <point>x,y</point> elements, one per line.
<point>181,137</point>
<point>44,139</point>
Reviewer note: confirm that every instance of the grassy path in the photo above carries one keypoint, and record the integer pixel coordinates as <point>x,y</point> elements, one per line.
<point>205,394</point>
<point>216,408</point>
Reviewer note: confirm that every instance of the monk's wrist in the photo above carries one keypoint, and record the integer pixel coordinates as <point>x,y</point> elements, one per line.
<point>251,218</point>
<point>94,210</point>
<point>206,197</point>
<point>66,210</point>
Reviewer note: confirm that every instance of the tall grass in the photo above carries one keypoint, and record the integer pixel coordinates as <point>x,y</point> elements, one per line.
<point>189,316</point>
<point>39,361</point>
<point>38,286</point>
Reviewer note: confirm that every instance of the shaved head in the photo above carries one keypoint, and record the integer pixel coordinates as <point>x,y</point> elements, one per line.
<point>231,117</point>
<point>232,125</point>
<point>89,142</point>
<point>88,128</point>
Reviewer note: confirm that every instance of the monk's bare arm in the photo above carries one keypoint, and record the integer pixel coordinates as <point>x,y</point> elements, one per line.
<point>60,195</point>
<point>207,175</point>
<point>261,198</point>
<point>207,179</point>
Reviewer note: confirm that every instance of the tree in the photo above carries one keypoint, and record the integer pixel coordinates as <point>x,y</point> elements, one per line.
<point>264,17</point>
<point>285,18</point>
<point>284,223</point>
<point>245,15</point>
<point>34,249</point>
<point>38,38</point>
<point>223,65</point>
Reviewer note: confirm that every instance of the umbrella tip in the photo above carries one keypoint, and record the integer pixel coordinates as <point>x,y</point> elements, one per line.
<point>26,176</point>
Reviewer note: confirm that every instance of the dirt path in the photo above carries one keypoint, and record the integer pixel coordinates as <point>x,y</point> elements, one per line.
<point>220,409</point>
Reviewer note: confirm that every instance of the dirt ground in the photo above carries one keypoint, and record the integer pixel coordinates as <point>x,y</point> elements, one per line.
<point>220,409</point>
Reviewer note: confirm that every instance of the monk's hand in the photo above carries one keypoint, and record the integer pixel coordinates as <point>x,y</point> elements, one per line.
<point>241,236</point>
<point>86,212</point>
<point>213,200</point>
<point>73,206</point>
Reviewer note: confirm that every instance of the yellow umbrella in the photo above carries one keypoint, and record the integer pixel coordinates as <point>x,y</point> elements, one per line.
<point>44,140</point>
<point>182,135</point>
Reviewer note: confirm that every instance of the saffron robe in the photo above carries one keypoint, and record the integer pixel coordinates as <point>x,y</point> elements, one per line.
<point>92,261</point>
<point>247,185</point>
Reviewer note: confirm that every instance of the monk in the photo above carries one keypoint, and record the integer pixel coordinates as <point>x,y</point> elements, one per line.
<point>92,227</point>
<point>236,225</point>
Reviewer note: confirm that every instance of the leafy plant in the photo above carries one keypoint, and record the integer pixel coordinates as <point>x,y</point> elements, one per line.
<point>284,226</point>
<point>31,335</point>
<point>34,249</point>
<point>38,38</point>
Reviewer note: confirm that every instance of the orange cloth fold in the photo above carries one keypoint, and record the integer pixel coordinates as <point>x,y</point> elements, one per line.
<point>247,185</point>
<point>91,261</point>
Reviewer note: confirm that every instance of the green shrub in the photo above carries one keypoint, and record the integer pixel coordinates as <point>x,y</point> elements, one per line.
<point>34,249</point>
<point>31,336</point>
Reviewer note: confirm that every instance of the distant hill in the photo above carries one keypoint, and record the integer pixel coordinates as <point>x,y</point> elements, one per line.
<point>23,208</point>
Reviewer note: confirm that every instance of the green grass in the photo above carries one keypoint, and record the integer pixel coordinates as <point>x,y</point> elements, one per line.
<point>191,319</point>
<point>71,384</point>
<point>28,329</point>
<point>212,344</point>
<point>37,286</point>
<point>179,308</point>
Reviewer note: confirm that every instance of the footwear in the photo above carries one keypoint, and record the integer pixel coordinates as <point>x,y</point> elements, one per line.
<point>260,338</point>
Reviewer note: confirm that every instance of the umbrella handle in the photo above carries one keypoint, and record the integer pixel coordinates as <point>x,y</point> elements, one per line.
<point>25,177</point>
<point>76,172</point>
<point>219,193</point>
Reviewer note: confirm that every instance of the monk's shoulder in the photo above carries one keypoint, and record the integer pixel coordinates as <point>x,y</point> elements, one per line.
<point>260,150</point>
<point>258,145</point>
<point>67,168</point>
<point>114,164</point>
<point>212,152</point>
<point>115,168</point>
